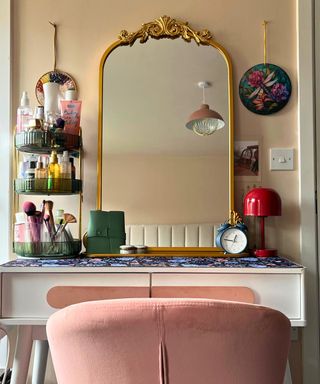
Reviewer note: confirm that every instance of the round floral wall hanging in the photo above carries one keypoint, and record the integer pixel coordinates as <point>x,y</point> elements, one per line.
<point>265,89</point>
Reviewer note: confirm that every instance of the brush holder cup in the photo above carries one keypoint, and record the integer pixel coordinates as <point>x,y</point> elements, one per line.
<point>47,249</point>
<point>32,239</point>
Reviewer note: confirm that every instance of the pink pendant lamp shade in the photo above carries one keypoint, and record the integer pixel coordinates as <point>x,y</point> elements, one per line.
<point>205,121</point>
<point>262,202</point>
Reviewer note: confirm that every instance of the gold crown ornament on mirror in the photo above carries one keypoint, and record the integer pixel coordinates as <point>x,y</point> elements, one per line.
<point>165,27</point>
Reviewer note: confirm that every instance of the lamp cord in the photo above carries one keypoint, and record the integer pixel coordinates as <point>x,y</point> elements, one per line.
<point>203,96</point>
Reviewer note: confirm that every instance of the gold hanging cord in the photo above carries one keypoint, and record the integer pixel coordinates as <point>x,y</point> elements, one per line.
<point>265,40</point>
<point>54,45</point>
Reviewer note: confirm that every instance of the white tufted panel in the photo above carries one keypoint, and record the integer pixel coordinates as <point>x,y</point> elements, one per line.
<point>176,235</point>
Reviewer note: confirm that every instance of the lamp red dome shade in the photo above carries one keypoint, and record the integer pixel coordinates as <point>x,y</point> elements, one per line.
<point>262,202</point>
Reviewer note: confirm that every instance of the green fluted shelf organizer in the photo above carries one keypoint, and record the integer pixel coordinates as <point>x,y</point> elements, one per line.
<point>44,141</point>
<point>47,186</point>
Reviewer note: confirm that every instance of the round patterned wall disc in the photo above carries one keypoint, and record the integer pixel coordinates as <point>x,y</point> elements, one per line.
<point>64,80</point>
<point>265,89</point>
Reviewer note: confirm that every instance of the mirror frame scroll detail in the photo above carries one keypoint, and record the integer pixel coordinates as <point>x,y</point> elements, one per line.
<point>167,27</point>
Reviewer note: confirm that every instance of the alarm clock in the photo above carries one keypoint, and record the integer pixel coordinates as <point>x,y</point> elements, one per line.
<point>233,239</point>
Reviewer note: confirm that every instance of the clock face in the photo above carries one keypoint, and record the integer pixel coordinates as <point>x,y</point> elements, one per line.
<point>233,240</point>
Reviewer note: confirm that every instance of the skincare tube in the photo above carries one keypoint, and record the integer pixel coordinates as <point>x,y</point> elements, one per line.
<point>27,233</point>
<point>70,113</point>
<point>19,228</point>
<point>19,232</point>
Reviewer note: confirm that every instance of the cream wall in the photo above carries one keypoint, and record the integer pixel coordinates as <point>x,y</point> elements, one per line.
<point>86,28</point>
<point>167,189</point>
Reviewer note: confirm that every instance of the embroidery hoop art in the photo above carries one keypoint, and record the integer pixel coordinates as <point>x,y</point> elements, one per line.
<point>265,89</point>
<point>64,80</point>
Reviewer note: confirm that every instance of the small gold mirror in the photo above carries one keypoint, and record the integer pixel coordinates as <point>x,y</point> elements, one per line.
<point>149,164</point>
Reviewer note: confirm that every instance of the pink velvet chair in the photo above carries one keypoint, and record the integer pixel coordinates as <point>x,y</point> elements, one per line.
<point>168,341</point>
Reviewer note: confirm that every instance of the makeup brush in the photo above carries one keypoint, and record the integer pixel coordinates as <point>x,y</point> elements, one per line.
<point>46,219</point>
<point>68,218</point>
<point>48,209</point>
<point>42,208</point>
<point>30,210</point>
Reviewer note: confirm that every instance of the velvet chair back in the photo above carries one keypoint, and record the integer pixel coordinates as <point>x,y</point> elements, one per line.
<point>168,341</point>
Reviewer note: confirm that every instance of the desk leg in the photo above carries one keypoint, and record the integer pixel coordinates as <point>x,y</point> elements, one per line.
<point>12,341</point>
<point>287,377</point>
<point>11,333</point>
<point>22,355</point>
<point>40,361</point>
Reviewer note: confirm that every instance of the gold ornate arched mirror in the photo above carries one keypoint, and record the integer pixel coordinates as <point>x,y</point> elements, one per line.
<point>149,164</point>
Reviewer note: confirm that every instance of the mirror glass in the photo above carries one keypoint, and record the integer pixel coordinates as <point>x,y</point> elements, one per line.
<point>153,167</point>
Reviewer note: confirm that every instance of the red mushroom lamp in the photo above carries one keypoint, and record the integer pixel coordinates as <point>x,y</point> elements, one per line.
<point>262,202</point>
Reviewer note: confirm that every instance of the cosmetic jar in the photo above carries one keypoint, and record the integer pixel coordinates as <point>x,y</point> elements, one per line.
<point>141,248</point>
<point>127,249</point>
<point>34,124</point>
<point>70,94</point>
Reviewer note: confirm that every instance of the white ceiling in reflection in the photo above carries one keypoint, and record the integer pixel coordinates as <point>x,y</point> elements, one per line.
<point>151,89</point>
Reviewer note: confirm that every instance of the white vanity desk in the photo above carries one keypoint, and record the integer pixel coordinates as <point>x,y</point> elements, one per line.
<point>276,283</point>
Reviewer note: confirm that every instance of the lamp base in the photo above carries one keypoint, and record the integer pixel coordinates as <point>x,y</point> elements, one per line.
<point>265,252</point>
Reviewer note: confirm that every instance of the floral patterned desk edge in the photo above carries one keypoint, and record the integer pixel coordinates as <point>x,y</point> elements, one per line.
<point>164,262</point>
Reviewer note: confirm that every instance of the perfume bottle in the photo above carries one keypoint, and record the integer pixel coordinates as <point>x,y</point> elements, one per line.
<point>73,168</point>
<point>41,175</point>
<point>65,166</point>
<point>41,172</point>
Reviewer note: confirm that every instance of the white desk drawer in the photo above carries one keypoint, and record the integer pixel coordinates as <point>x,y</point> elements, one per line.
<point>25,294</point>
<point>283,292</point>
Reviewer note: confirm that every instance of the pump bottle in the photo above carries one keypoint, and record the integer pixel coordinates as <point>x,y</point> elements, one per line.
<point>53,172</point>
<point>24,113</point>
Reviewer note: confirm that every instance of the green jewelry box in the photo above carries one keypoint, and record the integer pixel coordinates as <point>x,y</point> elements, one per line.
<point>106,232</point>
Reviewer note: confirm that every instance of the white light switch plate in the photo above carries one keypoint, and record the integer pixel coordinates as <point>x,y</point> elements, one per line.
<point>281,159</point>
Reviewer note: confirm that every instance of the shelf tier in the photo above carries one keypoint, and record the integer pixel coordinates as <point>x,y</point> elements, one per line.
<point>47,186</point>
<point>48,249</point>
<point>44,142</point>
